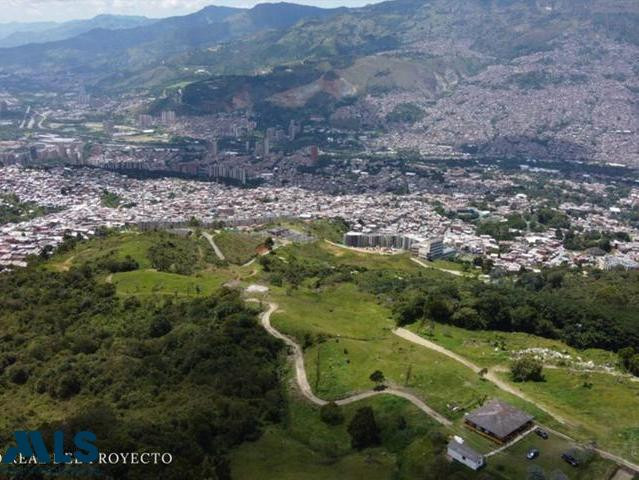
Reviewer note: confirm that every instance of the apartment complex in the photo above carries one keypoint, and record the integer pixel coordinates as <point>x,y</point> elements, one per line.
<point>427,248</point>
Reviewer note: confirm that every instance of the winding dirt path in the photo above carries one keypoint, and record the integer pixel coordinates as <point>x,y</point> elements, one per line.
<point>491,375</point>
<point>307,391</point>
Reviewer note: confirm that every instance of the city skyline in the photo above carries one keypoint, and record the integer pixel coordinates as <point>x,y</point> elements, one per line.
<point>66,10</point>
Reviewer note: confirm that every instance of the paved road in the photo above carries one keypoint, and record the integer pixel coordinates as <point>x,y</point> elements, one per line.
<point>218,252</point>
<point>307,391</point>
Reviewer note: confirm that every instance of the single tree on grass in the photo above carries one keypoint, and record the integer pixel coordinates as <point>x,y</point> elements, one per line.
<point>526,369</point>
<point>269,243</point>
<point>378,377</point>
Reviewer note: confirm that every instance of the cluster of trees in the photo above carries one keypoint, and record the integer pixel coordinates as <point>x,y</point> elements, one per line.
<point>13,210</point>
<point>194,378</point>
<point>405,113</point>
<point>500,231</point>
<point>363,429</point>
<point>593,238</point>
<point>598,310</point>
<point>551,218</point>
<point>294,270</point>
<point>177,254</point>
<point>629,360</point>
<point>110,199</point>
<point>538,221</point>
<point>113,265</point>
<point>371,427</point>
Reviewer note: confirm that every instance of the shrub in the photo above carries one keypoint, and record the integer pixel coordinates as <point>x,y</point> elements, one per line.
<point>18,374</point>
<point>159,327</point>
<point>633,365</point>
<point>527,369</point>
<point>67,386</point>
<point>363,429</point>
<point>331,414</point>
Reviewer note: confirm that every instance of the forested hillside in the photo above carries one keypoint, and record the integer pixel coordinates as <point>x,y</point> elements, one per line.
<point>193,377</point>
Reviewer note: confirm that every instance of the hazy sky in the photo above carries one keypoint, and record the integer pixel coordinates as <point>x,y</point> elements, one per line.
<point>60,10</point>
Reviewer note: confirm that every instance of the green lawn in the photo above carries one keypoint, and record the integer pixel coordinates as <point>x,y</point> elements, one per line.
<point>276,456</point>
<point>513,463</point>
<point>491,348</point>
<point>120,244</point>
<point>238,247</point>
<point>342,256</point>
<point>608,410</point>
<point>350,337</point>
<point>147,282</point>
<point>332,230</point>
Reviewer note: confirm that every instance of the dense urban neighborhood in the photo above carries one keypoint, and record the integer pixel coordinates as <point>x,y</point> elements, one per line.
<point>83,199</point>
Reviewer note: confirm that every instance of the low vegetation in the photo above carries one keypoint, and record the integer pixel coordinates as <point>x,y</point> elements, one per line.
<point>239,248</point>
<point>527,369</point>
<point>12,210</point>
<point>110,199</point>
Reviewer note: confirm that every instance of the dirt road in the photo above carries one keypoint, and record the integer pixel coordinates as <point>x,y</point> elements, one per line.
<point>307,391</point>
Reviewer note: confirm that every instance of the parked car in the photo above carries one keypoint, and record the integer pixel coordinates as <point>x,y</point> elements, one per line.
<point>568,458</point>
<point>532,454</point>
<point>542,433</point>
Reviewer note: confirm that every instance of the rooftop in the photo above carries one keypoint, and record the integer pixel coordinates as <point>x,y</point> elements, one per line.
<point>464,450</point>
<point>499,418</point>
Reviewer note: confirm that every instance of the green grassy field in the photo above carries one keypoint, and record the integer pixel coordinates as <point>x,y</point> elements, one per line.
<point>606,412</point>
<point>120,245</point>
<point>608,409</point>
<point>146,280</point>
<point>349,337</point>
<point>351,332</point>
<point>304,448</point>
<point>238,247</point>
<point>342,256</point>
<point>491,348</point>
<point>150,282</point>
<point>325,229</point>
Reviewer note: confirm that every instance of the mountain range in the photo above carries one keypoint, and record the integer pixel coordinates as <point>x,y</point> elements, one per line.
<point>16,34</point>
<point>534,78</point>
